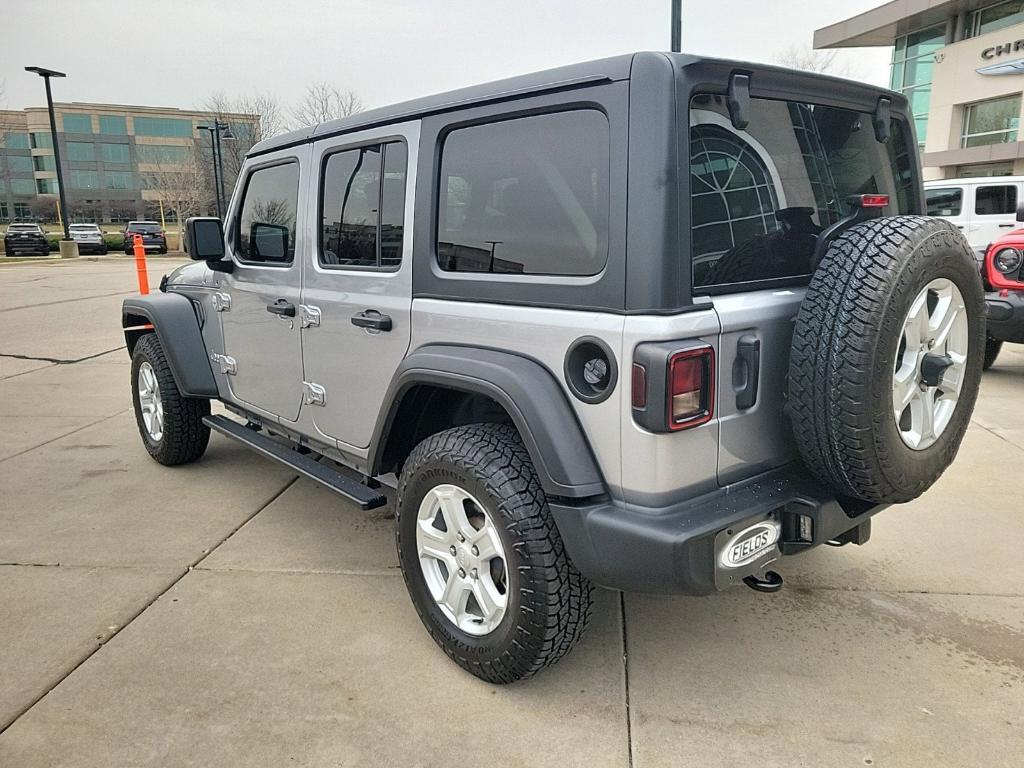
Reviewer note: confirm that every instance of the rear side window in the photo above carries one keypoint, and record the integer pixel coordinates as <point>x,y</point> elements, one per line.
<point>266,225</point>
<point>527,196</point>
<point>946,201</point>
<point>760,196</point>
<point>996,199</point>
<point>363,207</point>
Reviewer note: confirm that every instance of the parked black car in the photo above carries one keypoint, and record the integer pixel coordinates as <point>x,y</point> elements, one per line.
<point>22,239</point>
<point>153,237</point>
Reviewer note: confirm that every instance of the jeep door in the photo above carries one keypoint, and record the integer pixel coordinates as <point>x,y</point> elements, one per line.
<point>357,289</point>
<point>259,317</point>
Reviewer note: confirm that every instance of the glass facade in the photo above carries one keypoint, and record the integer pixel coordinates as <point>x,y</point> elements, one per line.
<point>15,140</point>
<point>42,140</point>
<point>74,123</point>
<point>118,180</point>
<point>913,58</point>
<point>19,163</point>
<point>113,125</point>
<point>85,180</point>
<point>23,187</point>
<point>163,126</point>
<point>991,122</point>
<point>46,186</point>
<point>995,17</point>
<point>115,153</point>
<point>81,151</point>
<point>44,163</point>
<point>161,154</point>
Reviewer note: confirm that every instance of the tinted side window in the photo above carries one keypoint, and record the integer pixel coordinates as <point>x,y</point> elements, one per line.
<point>528,195</point>
<point>760,196</point>
<point>995,199</point>
<point>363,209</point>
<point>266,226</point>
<point>944,202</point>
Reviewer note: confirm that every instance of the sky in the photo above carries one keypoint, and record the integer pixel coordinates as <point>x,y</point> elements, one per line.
<point>177,52</point>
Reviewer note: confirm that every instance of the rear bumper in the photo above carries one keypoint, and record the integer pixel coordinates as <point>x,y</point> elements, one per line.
<point>677,549</point>
<point>1005,316</point>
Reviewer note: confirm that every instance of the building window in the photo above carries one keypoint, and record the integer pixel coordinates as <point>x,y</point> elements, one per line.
<point>77,123</point>
<point>14,140</point>
<point>161,154</point>
<point>984,170</point>
<point>81,151</point>
<point>991,122</point>
<point>913,58</point>
<point>23,187</point>
<point>995,17</point>
<point>113,125</point>
<point>163,126</point>
<point>42,140</point>
<point>118,181</point>
<point>114,153</point>
<point>20,163</point>
<point>22,211</point>
<point>3,211</point>
<point>46,186</point>
<point>85,180</point>
<point>44,163</point>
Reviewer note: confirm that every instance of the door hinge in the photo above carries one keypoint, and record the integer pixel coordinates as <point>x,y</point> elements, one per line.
<point>309,317</point>
<point>314,393</point>
<point>222,302</point>
<point>227,364</point>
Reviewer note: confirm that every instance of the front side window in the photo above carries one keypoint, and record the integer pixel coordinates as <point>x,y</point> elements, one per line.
<point>266,224</point>
<point>527,195</point>
<point>946,201</point>
<point>997,199</point>
<point>991,122</point>
<point>759,197</point>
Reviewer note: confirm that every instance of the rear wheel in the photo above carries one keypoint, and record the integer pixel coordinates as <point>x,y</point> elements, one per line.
<point>482,558</point>
<point>171,425</point>
<point>992,347</point>
<point>886,358</point>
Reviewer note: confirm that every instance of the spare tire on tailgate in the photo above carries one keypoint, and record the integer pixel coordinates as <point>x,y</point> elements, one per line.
<point>886,357</point>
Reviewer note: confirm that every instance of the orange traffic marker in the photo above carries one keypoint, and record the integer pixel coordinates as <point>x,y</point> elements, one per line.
<point>140,264</point>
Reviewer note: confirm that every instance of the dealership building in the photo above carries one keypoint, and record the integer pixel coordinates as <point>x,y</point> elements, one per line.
<point>961,65</point>
<point>117,160</point>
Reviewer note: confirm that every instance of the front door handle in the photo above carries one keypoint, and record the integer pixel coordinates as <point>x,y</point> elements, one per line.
<point>282,307</point>
<point>748,357</point>
<point>372,319</point>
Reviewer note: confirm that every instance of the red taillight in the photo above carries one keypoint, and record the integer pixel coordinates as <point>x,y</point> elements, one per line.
<point>870,201</point>
<point>639,386</point>
<point>691,388</point>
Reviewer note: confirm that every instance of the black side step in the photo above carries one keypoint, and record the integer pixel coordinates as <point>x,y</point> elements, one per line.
<point>353,490</point>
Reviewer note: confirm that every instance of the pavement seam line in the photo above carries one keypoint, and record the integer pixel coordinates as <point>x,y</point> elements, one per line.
<point>625,676</point>
<point>66,434</point>
<point>67,301</point>
<point>59,360</point>
<point>993,432</point>
<point>188,569</point>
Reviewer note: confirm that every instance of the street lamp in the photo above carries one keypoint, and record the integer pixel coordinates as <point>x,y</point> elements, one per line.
<point>677,26</point>
<point>219,130</point>
<point>46,74</point>
<point>213,157</point>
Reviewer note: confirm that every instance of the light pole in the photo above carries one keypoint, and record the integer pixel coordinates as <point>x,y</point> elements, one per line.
<point>46,74</point>
<point>213,157</point>
<point>677,26</point>
<point>219,130</point>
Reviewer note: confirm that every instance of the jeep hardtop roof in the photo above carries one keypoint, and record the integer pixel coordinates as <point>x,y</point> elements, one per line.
<point>570,76</point>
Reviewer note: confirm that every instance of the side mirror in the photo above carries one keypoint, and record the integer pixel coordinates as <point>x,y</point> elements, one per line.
<point>1020,212</point>
<point>269,242</point>
<point>204,238</point>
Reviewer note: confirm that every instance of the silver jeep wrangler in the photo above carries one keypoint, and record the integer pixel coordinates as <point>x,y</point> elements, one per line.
<point>652,322</point>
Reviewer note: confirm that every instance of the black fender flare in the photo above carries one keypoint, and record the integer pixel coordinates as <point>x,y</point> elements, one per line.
<point>528,392</point>
<point>177,327</point>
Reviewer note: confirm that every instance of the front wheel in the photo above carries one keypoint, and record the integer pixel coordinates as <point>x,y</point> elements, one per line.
<point>481,556</point>
<point>171,425</point>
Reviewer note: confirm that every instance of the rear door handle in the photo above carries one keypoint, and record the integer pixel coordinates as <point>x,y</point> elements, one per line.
<point>282,307</point>
<point>371,318</point>
<point>748,355</point>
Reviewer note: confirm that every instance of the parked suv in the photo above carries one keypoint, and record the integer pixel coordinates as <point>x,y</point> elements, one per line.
<point>1003,275</point>
<point>20,239</point>
<point>652,322</point>
<point>982,208</point>
<point>89,238</point>
<point>153,237</point>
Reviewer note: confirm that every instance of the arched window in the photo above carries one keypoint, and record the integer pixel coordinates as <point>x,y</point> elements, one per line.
<point>733,197</point>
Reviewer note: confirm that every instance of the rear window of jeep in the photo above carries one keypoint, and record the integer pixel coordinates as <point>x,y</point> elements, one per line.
<point>526,196</point>
<point>760,196</point>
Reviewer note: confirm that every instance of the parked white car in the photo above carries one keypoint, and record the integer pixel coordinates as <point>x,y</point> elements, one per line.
<point>89,238</point>
<point>984,208</point>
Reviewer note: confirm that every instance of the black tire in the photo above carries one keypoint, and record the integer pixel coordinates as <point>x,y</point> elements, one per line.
<point>549,601</point>
<point>185,436</point>
<point>103,251</point>
<point>992,347</point>
<point>845,343</point>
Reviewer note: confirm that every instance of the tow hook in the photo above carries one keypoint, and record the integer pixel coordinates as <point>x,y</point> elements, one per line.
<point>769,582</point>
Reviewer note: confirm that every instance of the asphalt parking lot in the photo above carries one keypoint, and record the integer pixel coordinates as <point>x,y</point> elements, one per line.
<point>227,613</point>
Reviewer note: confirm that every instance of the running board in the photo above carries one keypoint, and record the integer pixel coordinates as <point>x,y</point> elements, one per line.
<point>353,490</point>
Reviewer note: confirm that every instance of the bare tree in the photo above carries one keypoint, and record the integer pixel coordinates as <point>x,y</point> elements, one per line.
<point>811,60</point>
<point>324,102</point>
<point>272,120</point>
<point>181,187</point>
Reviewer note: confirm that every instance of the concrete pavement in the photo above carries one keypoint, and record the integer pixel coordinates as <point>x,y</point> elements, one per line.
<point>227,613</point>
